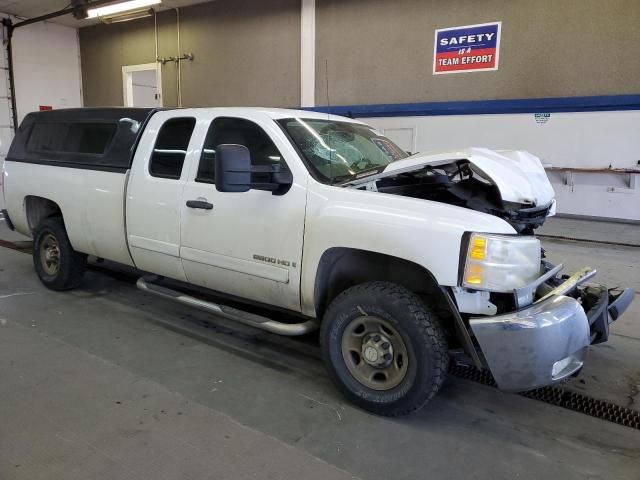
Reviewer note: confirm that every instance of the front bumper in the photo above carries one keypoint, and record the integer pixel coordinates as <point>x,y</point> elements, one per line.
<point>548,340</point>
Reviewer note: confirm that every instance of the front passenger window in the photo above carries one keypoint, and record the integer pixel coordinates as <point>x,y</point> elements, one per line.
<point>238,131</point>
<point>171,147</point>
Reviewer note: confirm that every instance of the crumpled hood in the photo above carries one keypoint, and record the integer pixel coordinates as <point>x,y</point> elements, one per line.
<point>518,175</point>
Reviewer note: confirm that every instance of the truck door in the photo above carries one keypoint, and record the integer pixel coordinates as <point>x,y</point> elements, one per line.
<point>244,244</point>
<point>154,193</point>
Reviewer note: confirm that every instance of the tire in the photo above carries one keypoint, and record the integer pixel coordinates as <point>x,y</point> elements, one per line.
<point>377,318</point>
<point>58,266</point>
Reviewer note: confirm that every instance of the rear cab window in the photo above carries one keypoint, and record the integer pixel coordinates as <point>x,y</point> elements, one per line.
<point>171,148</point>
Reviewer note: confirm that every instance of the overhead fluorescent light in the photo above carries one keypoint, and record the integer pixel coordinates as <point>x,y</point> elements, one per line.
<point>126,16</point>
<point>116,8</point>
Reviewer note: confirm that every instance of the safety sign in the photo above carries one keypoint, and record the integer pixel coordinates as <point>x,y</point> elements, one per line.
<point>472,48</point>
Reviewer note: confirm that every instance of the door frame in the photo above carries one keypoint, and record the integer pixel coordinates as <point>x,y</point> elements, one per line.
<point>127,80</point>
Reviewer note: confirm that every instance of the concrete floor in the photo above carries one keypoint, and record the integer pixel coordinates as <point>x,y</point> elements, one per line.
<point>106,382</point>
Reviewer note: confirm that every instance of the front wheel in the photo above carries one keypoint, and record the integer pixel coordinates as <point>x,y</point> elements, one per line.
<point>58,266</point>
<point>384,348</point>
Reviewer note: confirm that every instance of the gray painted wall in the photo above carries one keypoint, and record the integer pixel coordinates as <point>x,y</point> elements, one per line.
<point>104,49</point>
<point>247,52</point>
<point>381,51</point>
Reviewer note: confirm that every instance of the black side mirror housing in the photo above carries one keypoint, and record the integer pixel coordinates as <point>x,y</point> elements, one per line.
<point>233,172</point>
<point>278,179</point>
<point>233,168</point>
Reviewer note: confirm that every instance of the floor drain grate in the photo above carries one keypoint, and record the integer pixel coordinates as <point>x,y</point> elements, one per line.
<point>561,397</point>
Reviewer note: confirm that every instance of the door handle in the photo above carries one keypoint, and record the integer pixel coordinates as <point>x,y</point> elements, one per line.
<point>201,204</point>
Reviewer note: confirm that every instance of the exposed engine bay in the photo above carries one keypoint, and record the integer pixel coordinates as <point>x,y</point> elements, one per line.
<point>509,185</point>
<point>457,184</point>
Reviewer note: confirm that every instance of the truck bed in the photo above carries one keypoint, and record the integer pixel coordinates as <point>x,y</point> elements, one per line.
<point>95,225</point>
<point>75,160</point>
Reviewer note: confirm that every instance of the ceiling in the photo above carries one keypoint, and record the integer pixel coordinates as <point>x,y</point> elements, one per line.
<point>34,8</point>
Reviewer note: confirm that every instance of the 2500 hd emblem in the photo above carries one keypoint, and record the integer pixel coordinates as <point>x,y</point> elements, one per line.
<point>275,261</point>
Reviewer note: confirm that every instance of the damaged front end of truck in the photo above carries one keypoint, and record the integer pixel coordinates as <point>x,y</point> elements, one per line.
<point>509,185</point>
<point>544,336</point>
<point>517,314</point>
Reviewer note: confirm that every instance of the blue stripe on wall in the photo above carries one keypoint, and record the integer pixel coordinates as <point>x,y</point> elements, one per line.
<point>477,107</point>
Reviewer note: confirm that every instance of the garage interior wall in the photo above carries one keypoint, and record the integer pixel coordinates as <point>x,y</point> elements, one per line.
<point>582,49</point>
<point>382,52</point>
<point>46,61</point>
<point>46,67</point>
<point>246,52</point>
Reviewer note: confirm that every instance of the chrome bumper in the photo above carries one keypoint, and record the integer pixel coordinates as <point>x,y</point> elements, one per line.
<point>547,341</point>
<point>535,346</point>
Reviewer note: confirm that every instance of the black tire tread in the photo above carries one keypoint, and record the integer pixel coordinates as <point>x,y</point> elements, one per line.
<point>73,264</point>
<point>428,325</point>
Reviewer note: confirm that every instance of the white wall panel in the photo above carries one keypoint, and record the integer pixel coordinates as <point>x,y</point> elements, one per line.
<point>46,60</point>
<point>581,140</point>
<point>308,53</point>
<point>47,67</point>
<point>584,140</point>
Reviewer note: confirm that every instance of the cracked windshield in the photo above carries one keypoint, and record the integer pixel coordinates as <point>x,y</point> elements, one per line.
<point>341,151</point>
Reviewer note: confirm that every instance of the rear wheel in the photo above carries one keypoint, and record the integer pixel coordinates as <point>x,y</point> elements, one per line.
<point>58,266</point>
<point>384,348</point>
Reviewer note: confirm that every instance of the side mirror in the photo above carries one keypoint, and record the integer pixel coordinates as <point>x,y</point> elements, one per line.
<point>233,168</point>
<point>233,172</point>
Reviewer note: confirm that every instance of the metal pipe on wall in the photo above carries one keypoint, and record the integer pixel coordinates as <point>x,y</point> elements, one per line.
<point>157,58</point>
<point>155,32</point>
<point>178,58</point>
<point>178,61</point>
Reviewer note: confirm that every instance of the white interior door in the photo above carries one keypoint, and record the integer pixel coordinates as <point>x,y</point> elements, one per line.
<point>142,85</point>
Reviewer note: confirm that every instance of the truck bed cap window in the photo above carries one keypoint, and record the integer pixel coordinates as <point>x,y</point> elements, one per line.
<point>89,138</point>
<point>92,138</point>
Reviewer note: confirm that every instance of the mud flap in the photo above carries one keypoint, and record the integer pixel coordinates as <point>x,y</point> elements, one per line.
<point>8,220</point>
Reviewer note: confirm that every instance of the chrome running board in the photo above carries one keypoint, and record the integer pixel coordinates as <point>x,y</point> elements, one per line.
<point>289,329</point>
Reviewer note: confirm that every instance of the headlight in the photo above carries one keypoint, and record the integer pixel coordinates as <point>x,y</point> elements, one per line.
<point>501,263</point>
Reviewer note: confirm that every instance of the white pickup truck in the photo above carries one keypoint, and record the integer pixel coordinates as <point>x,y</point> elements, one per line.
<point>402,261</point>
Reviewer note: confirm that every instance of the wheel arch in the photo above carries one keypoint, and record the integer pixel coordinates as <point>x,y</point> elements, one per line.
<point>38,208</point>
<point>340,268</point>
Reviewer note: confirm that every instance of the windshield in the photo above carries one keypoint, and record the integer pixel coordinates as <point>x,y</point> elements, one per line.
<point>341,151</point>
